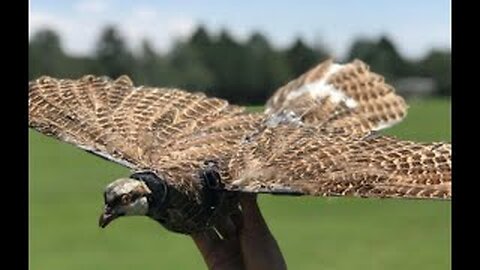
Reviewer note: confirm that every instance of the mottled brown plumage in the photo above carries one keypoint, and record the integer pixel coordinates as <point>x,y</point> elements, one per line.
<point>348,96</point>
<point>185,138</point>
<point>327,163</point>
<point>170,132</point>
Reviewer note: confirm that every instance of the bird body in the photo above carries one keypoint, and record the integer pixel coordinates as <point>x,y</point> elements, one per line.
<point>191,155</point>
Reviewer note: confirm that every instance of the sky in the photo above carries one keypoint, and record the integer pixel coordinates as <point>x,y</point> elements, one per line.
<point>415,26</point>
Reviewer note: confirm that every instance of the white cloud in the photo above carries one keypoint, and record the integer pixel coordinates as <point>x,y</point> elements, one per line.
<point>77,35</point>
<point>38,20</point>
<point>181,26</point>
<point>79,32</point>
<point>91,6</point>
<point>162,29</point>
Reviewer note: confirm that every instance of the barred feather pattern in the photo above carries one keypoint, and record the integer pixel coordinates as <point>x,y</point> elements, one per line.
<point>168,131</point>
<point>174,133</point>
<point>348,96</point>
<point>313,161</point>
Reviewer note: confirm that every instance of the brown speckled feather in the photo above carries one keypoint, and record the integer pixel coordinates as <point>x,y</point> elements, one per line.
<point>347,96</point>
<point>168,131</point>
<point>320,162</point>
<point>174,133</point>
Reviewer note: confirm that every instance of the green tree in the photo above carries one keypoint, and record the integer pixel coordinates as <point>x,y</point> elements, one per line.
<point>301,58</point>
<point>46,56</point>
<point>225,59</point>
<point>438,65</point>
<point>188,70</point>
<point>112,55</point>
<point>242,72</point>
<point>265,69</point>
<point>382,56</point>
<point>202,42</point>
<point>205,48</point>
<point>152,68</point>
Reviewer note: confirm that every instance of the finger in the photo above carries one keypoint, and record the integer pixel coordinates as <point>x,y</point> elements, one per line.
<point>206,240</point>
<point>227,229</point>
<point>252,215</point>
<point>237,218</point>
<point>217,253</point>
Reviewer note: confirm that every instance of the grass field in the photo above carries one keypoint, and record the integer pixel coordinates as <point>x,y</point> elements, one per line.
<point>65,198</point>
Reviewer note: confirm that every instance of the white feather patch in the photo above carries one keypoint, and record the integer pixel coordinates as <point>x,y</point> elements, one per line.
<point>321,89</point>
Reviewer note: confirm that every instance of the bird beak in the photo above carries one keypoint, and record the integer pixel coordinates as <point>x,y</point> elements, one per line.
<point>107,216</point>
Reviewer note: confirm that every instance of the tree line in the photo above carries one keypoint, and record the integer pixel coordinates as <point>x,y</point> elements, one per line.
<point>243,72</point>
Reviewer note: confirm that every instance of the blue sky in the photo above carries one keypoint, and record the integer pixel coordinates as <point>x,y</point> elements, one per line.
<point>414,25</point>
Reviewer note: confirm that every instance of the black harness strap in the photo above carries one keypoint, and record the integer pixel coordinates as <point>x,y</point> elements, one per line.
<point>159,188</point>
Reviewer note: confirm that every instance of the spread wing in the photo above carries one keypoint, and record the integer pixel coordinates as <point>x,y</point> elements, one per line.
<point>142,128</point>
<point>176,133</point>
<point>347,96</point>
<point>313,161</point>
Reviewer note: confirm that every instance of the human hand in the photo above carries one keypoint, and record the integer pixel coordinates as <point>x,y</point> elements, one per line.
<point>247,242</point>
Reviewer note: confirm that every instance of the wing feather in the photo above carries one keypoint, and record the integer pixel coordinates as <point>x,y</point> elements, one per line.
<point>175,133</point>
<point>138,127</point>
<point>346,96</point>
<point>318,162</point>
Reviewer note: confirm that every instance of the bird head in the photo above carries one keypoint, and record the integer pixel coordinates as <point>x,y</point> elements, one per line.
<point>125,197</point>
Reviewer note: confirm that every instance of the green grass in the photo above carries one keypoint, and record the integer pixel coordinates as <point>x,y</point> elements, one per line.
<point>314,233</point>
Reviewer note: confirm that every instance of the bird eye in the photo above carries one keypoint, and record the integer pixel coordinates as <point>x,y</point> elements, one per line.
<point>126,198</point>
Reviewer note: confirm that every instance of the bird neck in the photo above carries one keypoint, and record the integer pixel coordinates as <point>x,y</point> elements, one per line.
<point>159,192</point>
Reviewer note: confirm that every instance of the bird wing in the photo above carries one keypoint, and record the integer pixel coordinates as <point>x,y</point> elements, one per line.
<point>317,161</point>
<point>142,128</point>
<point>177,134</point>
<point>348,96</point>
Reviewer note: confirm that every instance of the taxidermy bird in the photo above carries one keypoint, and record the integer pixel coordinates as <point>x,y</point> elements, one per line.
<point>191,155</point>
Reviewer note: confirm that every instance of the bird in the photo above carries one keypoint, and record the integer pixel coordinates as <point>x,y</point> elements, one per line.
<point>191,155</point>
